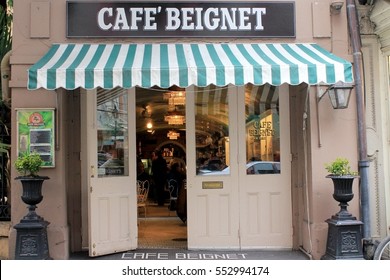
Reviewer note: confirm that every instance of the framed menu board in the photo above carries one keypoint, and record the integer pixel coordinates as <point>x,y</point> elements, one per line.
<point>36,133</point>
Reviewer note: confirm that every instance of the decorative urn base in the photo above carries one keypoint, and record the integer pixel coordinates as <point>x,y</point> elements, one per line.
<point>31,232</point>
<point>344,230</point>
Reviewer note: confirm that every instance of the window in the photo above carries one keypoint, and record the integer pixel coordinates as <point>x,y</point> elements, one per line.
<point>262,129</point>
<point>212,130</point>
<point>112,134</point>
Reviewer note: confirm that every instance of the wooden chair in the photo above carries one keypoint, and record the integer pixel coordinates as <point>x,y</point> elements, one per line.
<point>142,195</point>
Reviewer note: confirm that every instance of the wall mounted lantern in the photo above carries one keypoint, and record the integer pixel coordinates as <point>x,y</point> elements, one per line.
<point>339,94</point>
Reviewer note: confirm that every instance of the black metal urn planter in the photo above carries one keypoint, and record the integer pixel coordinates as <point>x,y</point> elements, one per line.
<point>31,237</point>
<point>344,230</point>
<point>32,193</point>
<point>343,193</point>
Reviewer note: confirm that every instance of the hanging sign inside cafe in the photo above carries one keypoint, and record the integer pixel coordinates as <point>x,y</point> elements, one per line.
<point>260,130</point>
<point>180,19</point>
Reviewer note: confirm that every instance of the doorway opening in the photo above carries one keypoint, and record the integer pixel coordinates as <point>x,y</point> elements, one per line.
<point>161,167</point>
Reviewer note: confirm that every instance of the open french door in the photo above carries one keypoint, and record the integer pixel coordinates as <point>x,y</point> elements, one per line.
<point>112,209</point>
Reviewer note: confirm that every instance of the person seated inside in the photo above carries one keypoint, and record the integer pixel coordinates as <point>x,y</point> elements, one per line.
<point>142,175</point>
<point>176,173</point>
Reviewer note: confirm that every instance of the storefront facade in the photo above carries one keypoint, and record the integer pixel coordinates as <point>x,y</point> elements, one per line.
<point>376,45</point>
<point>260,111</point>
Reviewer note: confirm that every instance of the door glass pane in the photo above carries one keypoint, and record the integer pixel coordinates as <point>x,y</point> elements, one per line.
<point>212,130</point>
<point>262,129</point>
<point>112,133</point>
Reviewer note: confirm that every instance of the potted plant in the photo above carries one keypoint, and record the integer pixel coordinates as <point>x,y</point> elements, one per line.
<point>32,227</point>
<point>342,177</point>
<point>28,166</point>
<point>340,168</point>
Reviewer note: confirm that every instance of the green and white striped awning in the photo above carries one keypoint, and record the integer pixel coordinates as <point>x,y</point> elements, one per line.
<point>108,66</point>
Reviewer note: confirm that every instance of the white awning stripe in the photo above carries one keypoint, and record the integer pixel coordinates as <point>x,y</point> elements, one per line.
<point>108,66</point>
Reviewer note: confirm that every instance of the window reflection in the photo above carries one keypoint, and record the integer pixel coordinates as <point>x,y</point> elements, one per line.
<point>212,130</point>
<point>112,132</point>
<point>262,129</point>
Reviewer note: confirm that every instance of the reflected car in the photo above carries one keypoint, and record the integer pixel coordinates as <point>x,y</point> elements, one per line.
<point>263,167</point>
<point>253,167</point>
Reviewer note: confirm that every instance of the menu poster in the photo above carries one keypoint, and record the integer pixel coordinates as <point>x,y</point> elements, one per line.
<point>36,133</point>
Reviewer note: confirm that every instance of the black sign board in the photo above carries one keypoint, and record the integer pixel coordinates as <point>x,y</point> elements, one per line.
<point>180,19</point>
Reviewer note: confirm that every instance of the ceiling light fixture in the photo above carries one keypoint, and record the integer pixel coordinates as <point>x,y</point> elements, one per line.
<point>173,135</point>
<point>175,97</point>
<point>175,118</point>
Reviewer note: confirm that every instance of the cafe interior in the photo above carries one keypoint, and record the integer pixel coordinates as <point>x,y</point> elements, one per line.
<point>160,124</point>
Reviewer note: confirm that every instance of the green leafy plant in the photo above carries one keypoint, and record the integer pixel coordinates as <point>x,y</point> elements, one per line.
<point>340,167</point>
<point>4,148</point>
<point>6,18</point>
<point>29,164</point>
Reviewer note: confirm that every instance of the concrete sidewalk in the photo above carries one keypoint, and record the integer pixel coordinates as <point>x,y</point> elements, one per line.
<point>175,254</point>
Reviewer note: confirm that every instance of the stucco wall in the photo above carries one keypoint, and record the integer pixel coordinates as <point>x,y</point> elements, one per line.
<point>338,139</point>
<point>53,206</point>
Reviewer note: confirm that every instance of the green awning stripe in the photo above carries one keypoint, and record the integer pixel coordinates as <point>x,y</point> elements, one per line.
<point>238,69</point>
<point>200,65</point>
<point>330,74</point>
<point>182,65</point>
<point>164,66</point>
<point>33,71</point>
<point>311,68</point>
<point>257,67</point>
<point>52,72</point>
<point>107,66</point>
<point>127,68</point>
<point>293,68</point>
<point>108,69</point>
<point>146,66</point>
<point>90,70</point>
<point>219,66</point>
<point>275,70</point>
<point>348,76</point>
<point>71,70</point>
